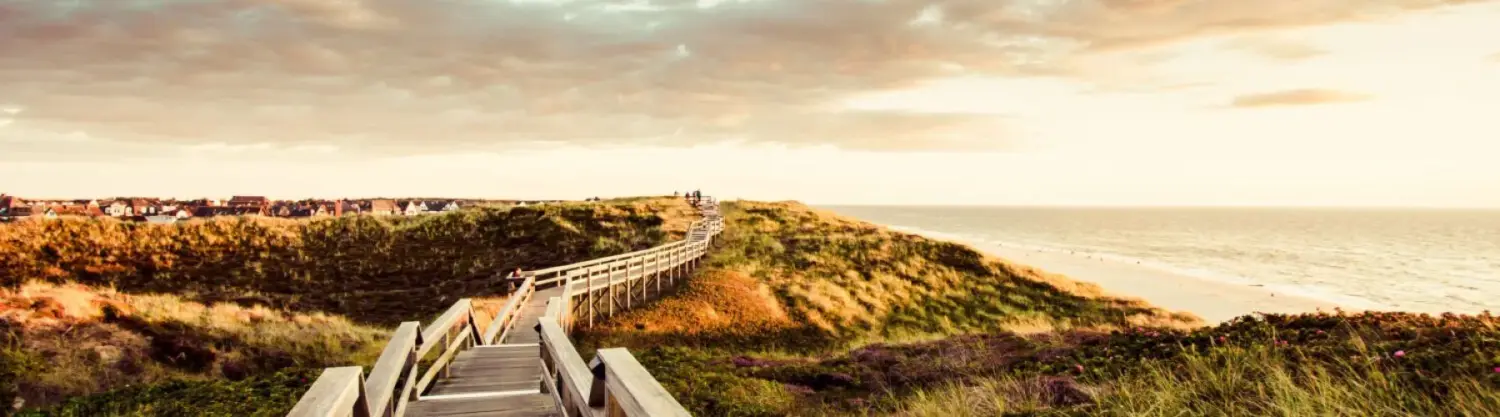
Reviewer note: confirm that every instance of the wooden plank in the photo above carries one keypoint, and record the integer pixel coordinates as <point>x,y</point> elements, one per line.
<point>388,370</point>
<point>573,372</point>
<point>528,405</point>
<point>338,392</point>
<point>442,361</point>
<point>434,332</point>
<point>633,389</point>
<point>503,318</point>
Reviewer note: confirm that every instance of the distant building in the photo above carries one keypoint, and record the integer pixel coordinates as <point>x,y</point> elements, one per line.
<point>342,207</point>
<point>384,208</point>
<point>229,211</point>
<point>442,206</point>
<point>248,201</point>
<point>414,207</point>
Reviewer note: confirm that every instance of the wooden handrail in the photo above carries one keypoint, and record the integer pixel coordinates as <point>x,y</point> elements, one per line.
<point>619,386</point>
<point>394,380</point>
<point>630,389</point>
<point>337,392</point>
<point>397,363</point>
<point>503,320</point>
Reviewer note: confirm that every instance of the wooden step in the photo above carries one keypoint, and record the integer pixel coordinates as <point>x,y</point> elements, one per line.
<point>525,405</point>
<point>491,369</point>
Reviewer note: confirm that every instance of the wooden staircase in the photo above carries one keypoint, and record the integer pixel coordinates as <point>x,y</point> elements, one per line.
<point>522,363</point>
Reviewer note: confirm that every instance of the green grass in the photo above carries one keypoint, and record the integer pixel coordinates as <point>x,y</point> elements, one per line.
<point>802,312</point>
<point>367,268</point>
<point>228,316</point>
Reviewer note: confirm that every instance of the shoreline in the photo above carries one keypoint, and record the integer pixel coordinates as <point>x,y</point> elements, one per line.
<point>1212,300</point>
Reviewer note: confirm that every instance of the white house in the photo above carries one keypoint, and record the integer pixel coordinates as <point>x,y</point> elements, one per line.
<point>414,208</point>
<point>118,208</point>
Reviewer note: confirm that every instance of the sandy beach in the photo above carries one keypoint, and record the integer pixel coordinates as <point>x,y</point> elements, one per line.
<point>1214,301</point>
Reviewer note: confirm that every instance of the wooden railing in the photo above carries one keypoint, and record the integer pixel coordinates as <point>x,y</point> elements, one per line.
<point>615,385</point>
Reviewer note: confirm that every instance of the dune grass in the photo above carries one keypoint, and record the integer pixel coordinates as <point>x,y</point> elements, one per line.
<point>364,267</point>
<point>235,316</point>
<point>63,341</point>
<point>802,312</point>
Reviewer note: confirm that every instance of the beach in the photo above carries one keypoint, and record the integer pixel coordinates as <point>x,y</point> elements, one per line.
<point>1214,301</point>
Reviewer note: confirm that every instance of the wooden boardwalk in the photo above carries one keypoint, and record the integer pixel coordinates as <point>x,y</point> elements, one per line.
<point>522,363</point>
<point>497,380</point>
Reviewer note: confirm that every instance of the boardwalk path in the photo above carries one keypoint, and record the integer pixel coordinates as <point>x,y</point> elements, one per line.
<point>522,363</point>
<point>496,380</point>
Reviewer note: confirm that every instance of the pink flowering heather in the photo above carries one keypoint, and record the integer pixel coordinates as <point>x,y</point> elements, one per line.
<point>1400,353</point>
<point>1497,369</point>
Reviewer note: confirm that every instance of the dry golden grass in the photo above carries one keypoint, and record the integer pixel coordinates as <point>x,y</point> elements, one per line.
<point>368,268</point>
<point>65,340</point>
<point>864,281</point>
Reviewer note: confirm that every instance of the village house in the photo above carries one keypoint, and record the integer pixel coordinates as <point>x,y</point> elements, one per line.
<point>249,201</point>
<point>229,211</point>
<point>342,207</point>
<point>413,208</point>
<point>384,207</point>
<point>440,206</point>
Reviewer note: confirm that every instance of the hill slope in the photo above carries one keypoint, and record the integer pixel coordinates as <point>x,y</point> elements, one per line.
<point>804,312</point>
<point>112,318</point>
<point>367,268</point>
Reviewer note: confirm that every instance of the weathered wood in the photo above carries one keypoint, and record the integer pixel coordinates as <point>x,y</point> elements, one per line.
<point>395,362</point>
<point>568,367</point>
<point>505,317</point>
<point>434,332</point>
<point>472,381</point>
<point>633,390</point>
<point>338,392</point>
<point>441,363</point>
<point>532,405</point>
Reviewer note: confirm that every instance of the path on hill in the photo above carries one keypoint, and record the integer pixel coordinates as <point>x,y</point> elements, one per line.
<point>496,380</point>
<point>522,363</point>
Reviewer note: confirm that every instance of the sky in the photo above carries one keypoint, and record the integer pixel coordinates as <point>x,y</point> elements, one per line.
<point>973,102</point>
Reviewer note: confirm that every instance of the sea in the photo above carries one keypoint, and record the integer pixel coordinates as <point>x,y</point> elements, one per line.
<point>1417,260</point>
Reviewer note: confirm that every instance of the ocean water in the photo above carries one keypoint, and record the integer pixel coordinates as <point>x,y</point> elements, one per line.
<point>1409,260</point>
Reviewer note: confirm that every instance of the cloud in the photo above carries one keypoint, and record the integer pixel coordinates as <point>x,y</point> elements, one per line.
<point>1275,49</point>
<point>400,76</point>
<point>1495,57</point>
<point>1297,98</point>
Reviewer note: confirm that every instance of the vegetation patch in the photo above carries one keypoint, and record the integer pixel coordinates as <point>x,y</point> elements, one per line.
<point>802,312</point>
<point>364,267</point>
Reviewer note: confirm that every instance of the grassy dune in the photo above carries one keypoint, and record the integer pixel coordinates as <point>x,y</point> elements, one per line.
<point>235,316</point>
<point>367,268</point>
<point>803,312</point>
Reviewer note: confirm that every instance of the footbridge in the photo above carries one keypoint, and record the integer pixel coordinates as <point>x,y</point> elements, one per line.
<point>522,363</point>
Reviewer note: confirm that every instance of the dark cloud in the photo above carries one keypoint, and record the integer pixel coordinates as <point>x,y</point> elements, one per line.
<point>412,76</point>
<point>1297,98</point>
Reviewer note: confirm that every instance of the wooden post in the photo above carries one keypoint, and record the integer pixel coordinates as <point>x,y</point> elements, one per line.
<point>628,283</point>
<point>611,288</point>
<point>656,269</point>
<point>447,337</point>
<point>589,273</point>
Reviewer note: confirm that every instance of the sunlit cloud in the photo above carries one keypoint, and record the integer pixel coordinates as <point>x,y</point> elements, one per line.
<point>380,76</point>
<point>1300,97</point>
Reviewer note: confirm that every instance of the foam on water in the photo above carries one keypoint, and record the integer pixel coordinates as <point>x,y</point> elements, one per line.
<point>1422,261</point>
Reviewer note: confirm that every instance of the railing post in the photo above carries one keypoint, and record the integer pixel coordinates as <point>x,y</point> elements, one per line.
<point>589,273</point>
<point>610,282</point>
<point>629,283</point>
